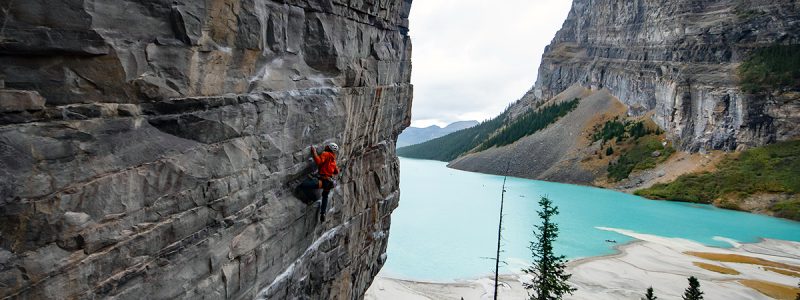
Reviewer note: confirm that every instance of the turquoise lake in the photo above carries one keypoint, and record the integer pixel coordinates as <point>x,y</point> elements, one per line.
<point>446,225</point>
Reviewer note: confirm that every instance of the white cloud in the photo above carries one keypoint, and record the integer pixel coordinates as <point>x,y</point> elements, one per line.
<point>473,57</point>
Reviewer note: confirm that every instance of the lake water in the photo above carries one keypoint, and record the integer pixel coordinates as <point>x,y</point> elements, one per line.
<point>446,225</point>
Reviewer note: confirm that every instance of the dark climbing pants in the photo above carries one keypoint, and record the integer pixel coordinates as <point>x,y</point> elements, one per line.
<point>308,190</point>
<point>327,186</point>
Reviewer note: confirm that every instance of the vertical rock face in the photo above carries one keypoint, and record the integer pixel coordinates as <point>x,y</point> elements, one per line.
<point>679,59</point>
<point>146,146</point>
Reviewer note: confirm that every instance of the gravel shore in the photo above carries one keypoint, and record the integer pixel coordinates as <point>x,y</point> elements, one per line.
<point>661,262</point>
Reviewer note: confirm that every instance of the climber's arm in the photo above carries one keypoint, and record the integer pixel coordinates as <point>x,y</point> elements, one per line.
<point>317,159</point>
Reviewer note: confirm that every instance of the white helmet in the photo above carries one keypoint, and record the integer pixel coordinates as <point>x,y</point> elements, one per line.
<point>334,147</point>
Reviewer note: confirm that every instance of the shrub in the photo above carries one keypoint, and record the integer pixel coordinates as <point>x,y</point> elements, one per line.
<point>789,209</point>
<point>639,157</point>
<point>769,169</point>
<point>771,68</point>
<point>621,130</point>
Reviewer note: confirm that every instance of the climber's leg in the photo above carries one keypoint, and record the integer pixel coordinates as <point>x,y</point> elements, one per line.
<point>323,207</point>
<point>327,185</point>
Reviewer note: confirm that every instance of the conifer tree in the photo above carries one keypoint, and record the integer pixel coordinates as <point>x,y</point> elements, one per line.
<point>693,291</point>
<point>649,295</point>
<point>549,270</point>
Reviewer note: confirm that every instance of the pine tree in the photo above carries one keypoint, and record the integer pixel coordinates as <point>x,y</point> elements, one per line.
<point>693,291</point>
<point>649,295</point>
<point>549,270</point>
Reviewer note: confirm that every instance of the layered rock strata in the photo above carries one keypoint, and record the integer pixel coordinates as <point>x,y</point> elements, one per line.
<point>679,59</point>
<point>146,146</point>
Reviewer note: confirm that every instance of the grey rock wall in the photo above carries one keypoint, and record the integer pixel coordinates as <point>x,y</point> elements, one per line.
<point>146,146</point>
<point>678,58</point>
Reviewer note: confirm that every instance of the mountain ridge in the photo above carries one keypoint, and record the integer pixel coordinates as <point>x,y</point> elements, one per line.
<point>704,77</point>
<point>415,135</point>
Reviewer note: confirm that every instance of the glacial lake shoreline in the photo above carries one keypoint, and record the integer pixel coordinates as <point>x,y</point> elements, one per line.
<point>614,276</point>
<point>463,208</point>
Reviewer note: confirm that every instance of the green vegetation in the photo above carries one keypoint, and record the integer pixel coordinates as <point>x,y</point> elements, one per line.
<point>491,133</point>
<point>621,130</point>
<point>789,209</point>
<point>611,129</point>
<point>636,144</point>
<point>529,123</point>
<point>639,157</point>
<point>549,270</point>
<point>771,68</point>
<point>649,294</point>
<point>453,145</point>
<point>769,169</point>
<point>693,291</point>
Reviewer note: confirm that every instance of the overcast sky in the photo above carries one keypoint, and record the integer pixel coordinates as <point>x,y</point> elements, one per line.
<point>472,58</point>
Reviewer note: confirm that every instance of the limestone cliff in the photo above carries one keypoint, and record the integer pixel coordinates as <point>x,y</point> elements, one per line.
<point>675,62</point>
<point>678,58</point>
<point>146,146</point>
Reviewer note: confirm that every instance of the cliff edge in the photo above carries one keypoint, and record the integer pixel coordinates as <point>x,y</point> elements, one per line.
<point>146,146</point>
<point>679,59</point>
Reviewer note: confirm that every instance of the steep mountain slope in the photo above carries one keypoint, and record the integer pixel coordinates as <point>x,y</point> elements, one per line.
<point>416,135</point>
<point>679,59</point>
<point>703,76</point>
<point>498,131</point>
<point>555,153</point>
<point>146,146</point>
<point>716,75</point>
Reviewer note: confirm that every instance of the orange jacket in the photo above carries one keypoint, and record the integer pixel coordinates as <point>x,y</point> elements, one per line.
<point>326,162</point>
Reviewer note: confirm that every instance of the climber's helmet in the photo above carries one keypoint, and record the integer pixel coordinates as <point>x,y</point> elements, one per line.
<point>334,147</point>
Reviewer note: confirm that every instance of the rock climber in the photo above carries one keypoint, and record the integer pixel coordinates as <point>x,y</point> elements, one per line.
<point>326,164</point>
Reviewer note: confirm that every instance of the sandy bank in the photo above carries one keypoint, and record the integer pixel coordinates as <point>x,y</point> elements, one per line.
<point>660,262</point>
<point>385,288</point>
